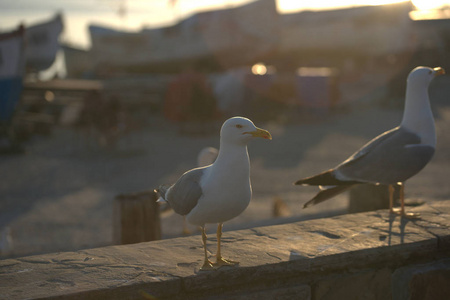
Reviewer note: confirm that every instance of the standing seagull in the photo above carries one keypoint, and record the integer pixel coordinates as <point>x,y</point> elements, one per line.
<point>392,157</point>
<point>220,191</point>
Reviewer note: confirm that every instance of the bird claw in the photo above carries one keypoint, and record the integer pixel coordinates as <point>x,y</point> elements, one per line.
<point>208,266</point>
<point>395,211</point>
<point>403,214</point>
<point>411,215</point>
<point>220,262</point>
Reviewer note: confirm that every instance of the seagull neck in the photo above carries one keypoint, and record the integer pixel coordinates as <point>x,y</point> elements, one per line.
<point>418,116</point>
<point>232,153</point>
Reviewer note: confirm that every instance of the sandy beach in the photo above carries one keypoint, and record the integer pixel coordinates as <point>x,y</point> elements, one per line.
<point>58,195</point>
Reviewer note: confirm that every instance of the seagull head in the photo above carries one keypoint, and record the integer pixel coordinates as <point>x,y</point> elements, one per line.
<point>241,130</point>
<point>423,75</point>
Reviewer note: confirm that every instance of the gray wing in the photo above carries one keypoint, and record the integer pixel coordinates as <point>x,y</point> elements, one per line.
<point>184,194</point>
<point>391,157</point>
<point>374,143</point>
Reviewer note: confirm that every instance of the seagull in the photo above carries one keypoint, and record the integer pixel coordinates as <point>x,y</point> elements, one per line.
<point>218,192</point>
<point>392,157</point>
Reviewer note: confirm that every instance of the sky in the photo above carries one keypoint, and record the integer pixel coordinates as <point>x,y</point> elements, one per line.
<point>78,14</point>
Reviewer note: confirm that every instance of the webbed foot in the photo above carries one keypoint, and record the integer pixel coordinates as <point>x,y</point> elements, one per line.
<point>410,215</point>
<point>220,262</point>
<point>208,266</point>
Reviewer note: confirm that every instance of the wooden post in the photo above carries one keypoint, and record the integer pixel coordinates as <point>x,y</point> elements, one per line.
<point>136,218</point>
<point>368,197</point>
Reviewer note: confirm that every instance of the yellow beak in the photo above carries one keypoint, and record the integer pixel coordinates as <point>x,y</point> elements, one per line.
<point>438,71</point>
<point>260,133</point>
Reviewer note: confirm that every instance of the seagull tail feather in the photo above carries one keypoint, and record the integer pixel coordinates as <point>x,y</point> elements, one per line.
<point>161,191</point>
<point>327,194</point>
<point>326,178</point>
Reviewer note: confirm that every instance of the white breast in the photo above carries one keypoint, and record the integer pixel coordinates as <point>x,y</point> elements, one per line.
<point>226,191</point>
<point>418,116</point>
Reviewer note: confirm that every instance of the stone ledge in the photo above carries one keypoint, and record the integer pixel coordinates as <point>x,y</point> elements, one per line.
<point>307,259</point>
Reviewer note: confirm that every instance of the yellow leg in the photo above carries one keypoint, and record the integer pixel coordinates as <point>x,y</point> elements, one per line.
<point>186,230</point>
<point>402,199</point>
<point>402,205</point>
<point>220,261</point>
<point>391,199</point>
<point>393,210</point>
<point>207,265</point>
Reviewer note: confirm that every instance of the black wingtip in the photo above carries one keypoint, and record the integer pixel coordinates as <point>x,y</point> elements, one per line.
<point>162,190</point>
<point>327,194</point>
<point>302,182</point>
<point>311,202</point>
<point>324,178</point>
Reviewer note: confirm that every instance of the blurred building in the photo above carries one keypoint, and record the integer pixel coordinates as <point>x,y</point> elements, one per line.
<point>337,35</point>
<point>218,39</point>
<point>369,49</point>
<point>241,36</point>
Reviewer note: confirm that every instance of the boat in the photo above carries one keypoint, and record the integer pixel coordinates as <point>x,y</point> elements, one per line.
<point>42,44</point>
<point>12,70</point>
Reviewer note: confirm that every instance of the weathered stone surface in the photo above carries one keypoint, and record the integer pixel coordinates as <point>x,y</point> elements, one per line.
<point>369,284</point>
<point>301,292</point>
<point>429,281</point>
<point>75,272</point>
<point>277,259</point>
<point>436,220</point>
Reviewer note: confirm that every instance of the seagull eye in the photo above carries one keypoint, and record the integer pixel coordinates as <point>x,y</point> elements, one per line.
<point>429,72</point>
<point>239,126</point>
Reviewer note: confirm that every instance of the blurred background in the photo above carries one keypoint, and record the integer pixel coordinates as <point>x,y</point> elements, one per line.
<point>100,98</point>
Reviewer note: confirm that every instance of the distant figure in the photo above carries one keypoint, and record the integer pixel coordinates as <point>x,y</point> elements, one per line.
<point>190,101</point>
<point>280,208</point>
<point>112,124</point>
<point>6,242</point>
<point>102,120</point>
<point>90,115</point>
<point>229,90</point>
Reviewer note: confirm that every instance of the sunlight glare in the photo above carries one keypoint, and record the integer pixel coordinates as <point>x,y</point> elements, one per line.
<point>430,4</point>
<point>295,5</point>
<point>259,69</point>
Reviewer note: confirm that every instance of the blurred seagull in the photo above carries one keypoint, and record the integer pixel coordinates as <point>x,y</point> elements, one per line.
<point>220,191</point>
<point>207,156</point>
<point>392,157</point>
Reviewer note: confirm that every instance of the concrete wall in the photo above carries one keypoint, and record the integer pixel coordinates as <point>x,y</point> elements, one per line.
<point>360,256</point>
